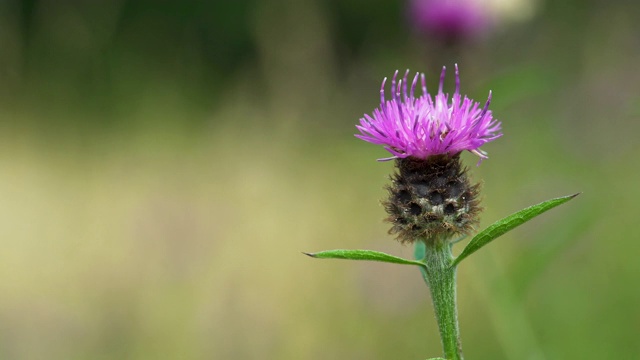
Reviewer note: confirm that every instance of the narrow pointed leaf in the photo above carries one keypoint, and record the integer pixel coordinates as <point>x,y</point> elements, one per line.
<point>502,226</point>
<point>362,255</point>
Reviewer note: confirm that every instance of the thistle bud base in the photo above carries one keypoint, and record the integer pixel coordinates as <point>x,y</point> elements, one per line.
<point>431,199</point>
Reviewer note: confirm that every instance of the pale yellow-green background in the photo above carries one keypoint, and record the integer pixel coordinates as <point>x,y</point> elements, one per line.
<point>163,165</point>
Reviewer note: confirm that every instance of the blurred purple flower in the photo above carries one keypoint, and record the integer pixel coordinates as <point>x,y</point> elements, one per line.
<point>423,126</point>
<point>450,19</point>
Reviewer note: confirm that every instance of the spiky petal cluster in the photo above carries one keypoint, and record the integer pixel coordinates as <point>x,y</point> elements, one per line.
<point>420,127</point>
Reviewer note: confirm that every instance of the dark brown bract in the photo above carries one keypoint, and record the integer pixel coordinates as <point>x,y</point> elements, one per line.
<point>431,199</point>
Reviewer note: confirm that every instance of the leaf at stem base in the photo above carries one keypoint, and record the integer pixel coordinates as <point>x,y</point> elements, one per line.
<point>500,227</point>
<point>362,255</point>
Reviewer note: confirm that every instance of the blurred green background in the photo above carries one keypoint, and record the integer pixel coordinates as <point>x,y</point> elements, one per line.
<point>164,163</point>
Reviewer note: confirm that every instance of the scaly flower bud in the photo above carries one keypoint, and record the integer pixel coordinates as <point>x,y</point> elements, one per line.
<point>431,198</point>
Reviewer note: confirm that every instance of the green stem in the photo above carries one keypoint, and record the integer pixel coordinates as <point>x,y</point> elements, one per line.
<point>440,275</point>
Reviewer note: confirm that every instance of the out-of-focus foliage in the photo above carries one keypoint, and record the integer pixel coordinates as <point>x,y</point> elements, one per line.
<point>156,156</point>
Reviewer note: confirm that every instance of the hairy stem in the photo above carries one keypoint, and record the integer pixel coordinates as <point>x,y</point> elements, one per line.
<point>440,276</point>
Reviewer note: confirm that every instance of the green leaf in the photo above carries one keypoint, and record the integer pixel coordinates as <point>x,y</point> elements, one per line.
<point>500,227</point>
<point>362,255</point>
<point>437,359</point>
<point>419,250</point>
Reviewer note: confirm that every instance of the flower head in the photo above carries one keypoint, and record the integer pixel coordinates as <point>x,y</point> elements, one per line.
<point>450,20</point>
<point>424,126</point>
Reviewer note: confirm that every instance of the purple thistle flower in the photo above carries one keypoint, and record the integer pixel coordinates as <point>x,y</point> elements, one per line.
<point>420,127</point>
<point>450,19</point>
